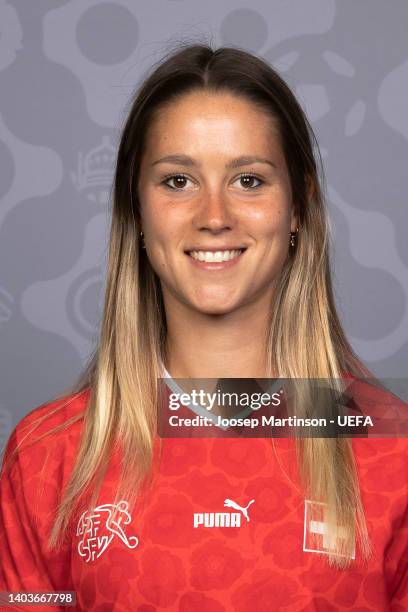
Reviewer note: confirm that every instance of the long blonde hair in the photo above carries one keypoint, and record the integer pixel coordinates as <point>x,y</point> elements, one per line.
<point>305,337</point>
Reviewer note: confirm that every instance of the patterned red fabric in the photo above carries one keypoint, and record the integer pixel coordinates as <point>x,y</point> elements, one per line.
<point>160,555</point>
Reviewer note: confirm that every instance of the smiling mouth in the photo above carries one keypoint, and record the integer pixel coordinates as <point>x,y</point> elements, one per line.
<point>215,256</point>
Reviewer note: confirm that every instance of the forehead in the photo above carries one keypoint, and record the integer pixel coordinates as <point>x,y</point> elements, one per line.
<point>217,119</point>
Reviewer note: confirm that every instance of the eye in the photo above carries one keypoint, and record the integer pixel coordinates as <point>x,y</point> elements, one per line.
<point>247,181</point>
<point>179,181</point>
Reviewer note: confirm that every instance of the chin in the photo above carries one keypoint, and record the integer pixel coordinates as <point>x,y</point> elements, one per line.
<point>219,308</point>
<point>214,301</point>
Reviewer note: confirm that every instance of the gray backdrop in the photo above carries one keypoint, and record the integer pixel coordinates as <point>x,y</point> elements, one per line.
<point>67,69</point>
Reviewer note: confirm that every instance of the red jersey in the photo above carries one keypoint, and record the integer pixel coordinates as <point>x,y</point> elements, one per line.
<point>225,528</point>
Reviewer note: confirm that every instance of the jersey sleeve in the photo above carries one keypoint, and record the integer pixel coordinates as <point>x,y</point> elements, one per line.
<point>28,499</point>
<point>396,564</point>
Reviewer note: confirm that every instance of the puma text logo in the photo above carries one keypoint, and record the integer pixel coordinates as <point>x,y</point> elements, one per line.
<point>223,519</point>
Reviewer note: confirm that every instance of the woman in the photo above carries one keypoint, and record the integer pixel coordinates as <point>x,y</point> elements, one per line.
<point>216,157</point>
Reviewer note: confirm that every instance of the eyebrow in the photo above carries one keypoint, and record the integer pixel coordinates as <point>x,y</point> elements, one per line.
<point>244,160</point>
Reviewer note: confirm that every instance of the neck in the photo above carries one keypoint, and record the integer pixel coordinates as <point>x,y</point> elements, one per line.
<point>201,345</point>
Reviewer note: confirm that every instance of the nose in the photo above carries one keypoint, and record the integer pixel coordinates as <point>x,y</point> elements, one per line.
<point>214,212</point>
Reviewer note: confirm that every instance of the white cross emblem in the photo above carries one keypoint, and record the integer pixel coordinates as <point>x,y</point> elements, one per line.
<point>313,525</point>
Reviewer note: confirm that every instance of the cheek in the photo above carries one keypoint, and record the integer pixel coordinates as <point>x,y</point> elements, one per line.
<point>157,251</point>
<point>153,223</point>
<point>161,240</point>
<point>159,214</point>
<point>272,223</point>
<point>271,214</point>
<point>274,235</point>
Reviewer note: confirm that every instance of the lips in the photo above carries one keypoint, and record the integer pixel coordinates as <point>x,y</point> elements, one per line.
<point>214,249</point>
<point>215,259</point>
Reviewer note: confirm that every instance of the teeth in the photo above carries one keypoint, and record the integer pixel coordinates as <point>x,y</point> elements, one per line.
<point>217,256</point>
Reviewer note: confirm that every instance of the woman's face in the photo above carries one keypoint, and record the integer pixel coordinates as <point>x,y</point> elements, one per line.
<point>213,178</point>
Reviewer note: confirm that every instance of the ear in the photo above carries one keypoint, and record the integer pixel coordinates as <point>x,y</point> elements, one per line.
<point>294,219</point>
<point>309,192</point>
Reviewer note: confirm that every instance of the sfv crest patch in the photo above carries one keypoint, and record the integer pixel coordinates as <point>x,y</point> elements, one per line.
<point>99,527</point>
